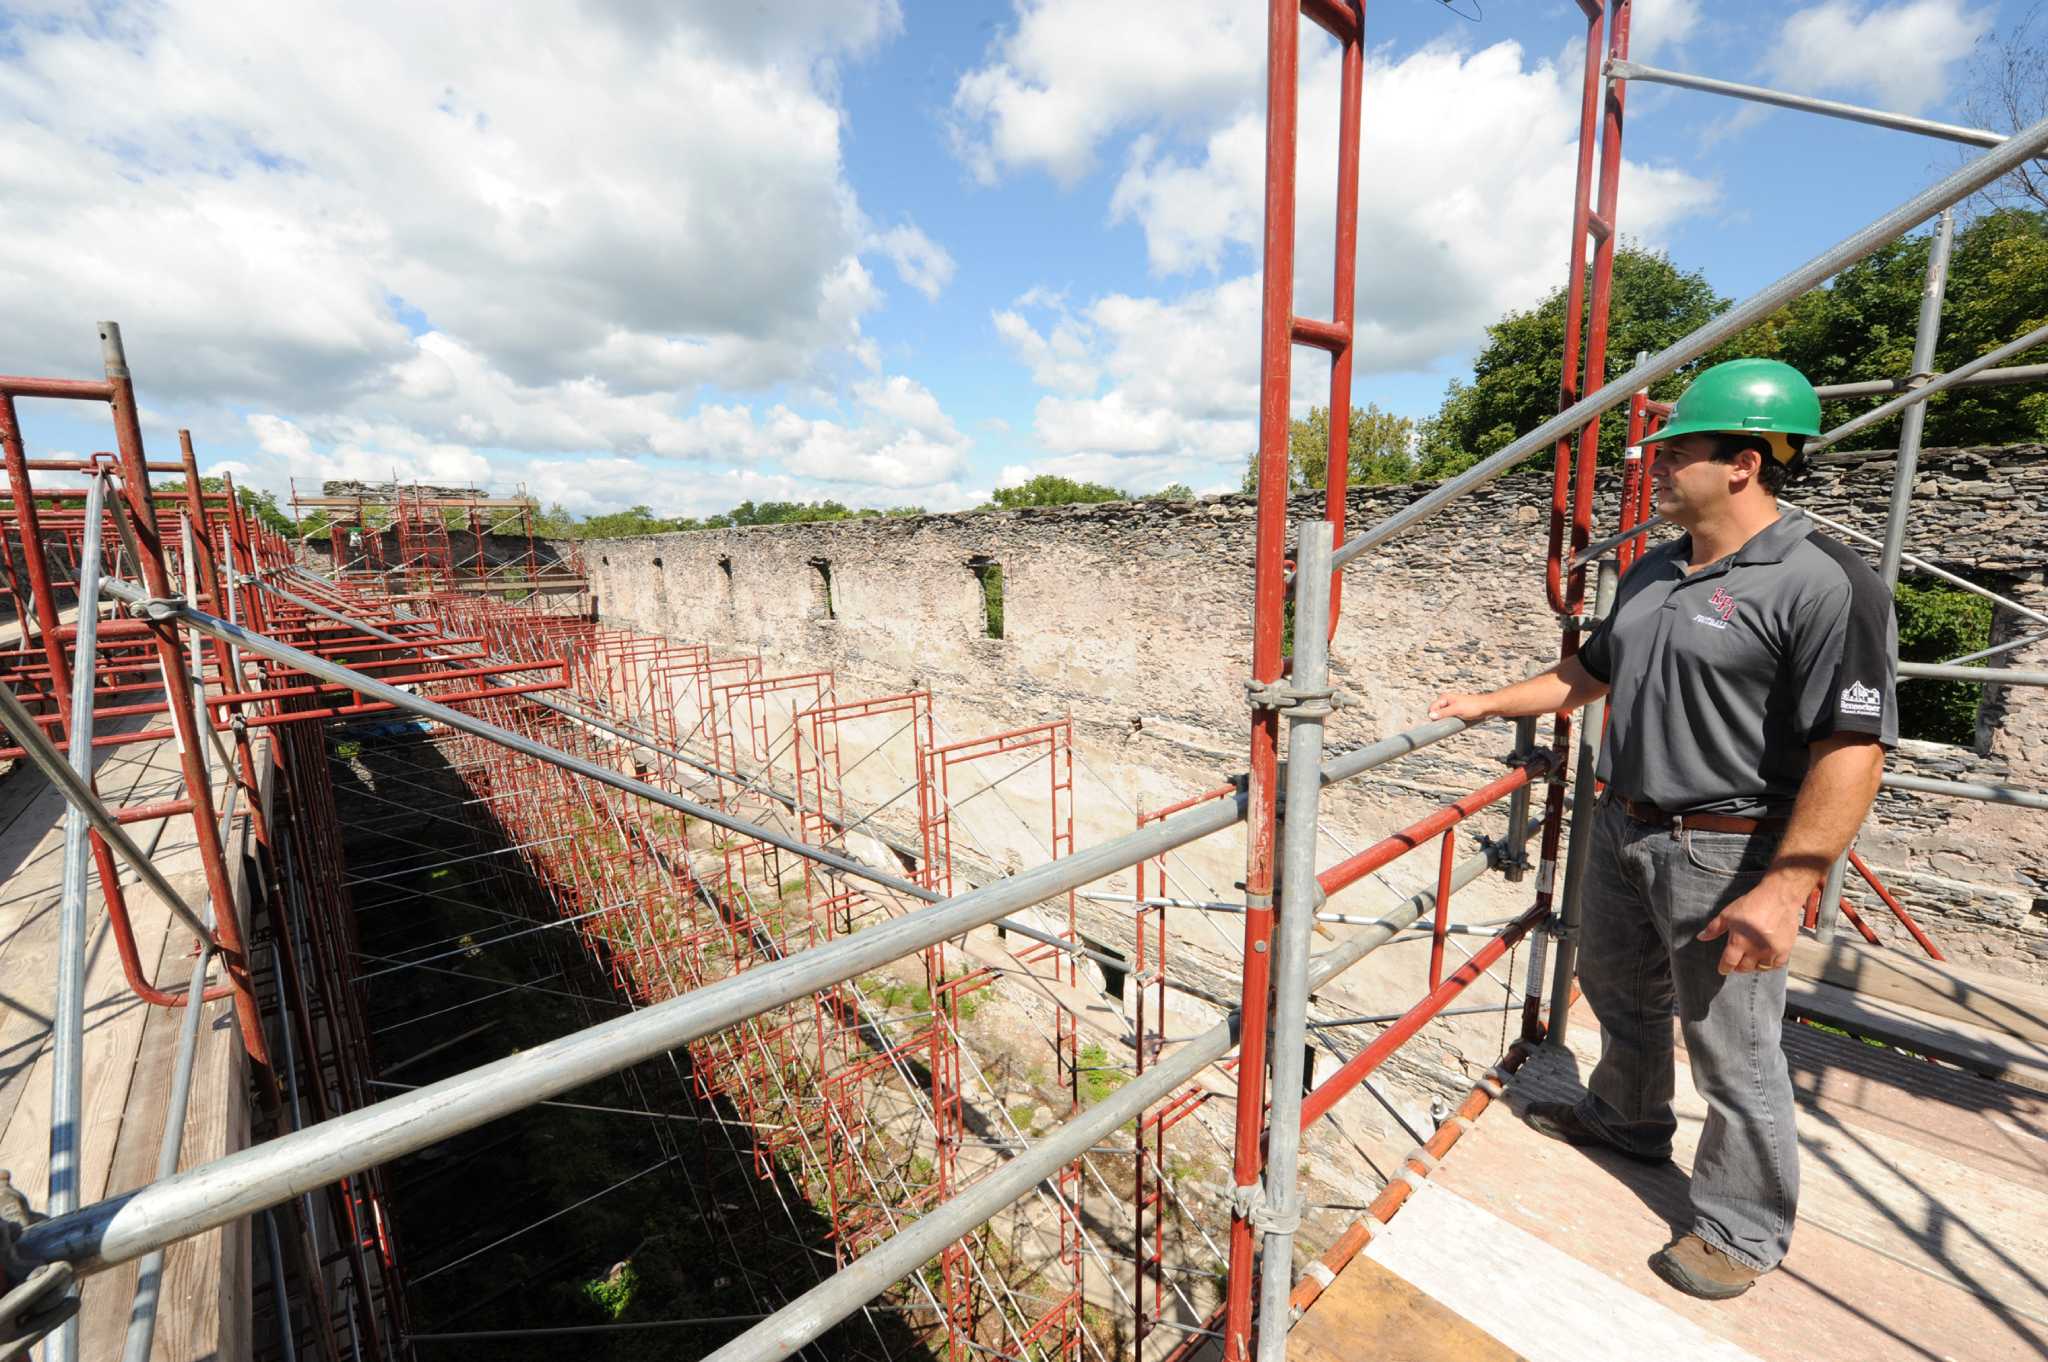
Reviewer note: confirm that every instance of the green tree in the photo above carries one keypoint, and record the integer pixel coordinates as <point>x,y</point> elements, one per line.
<point>1049,489</point>
<point>1937,623</point>
<point>555,522</point>
<point>1381,450</point>
<point>1174,491</point>
<point>262,505</point>
<point>634,520</point>
<point>1515,376</point>
<point>1861,327</point>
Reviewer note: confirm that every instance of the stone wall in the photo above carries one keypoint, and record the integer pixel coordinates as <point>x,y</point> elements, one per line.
<point>1134,617</point>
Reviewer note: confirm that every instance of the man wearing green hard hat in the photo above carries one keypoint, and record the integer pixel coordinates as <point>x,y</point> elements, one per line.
<point>1749,666</point>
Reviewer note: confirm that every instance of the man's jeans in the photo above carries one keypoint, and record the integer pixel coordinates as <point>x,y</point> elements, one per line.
<point>1649,890</point>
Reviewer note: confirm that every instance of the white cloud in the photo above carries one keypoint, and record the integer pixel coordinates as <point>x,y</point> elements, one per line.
<point>358,449</point>
<point>1484,139</point>
<point>920,262</point>
<point>898,445</point>
<point>1462,216</point>
<point>1073,72</point>
<point>548,236</point>
<point>1659,25</point>
<point>1900,53</point>
<point>252,209</point>
<point>1058,357</point>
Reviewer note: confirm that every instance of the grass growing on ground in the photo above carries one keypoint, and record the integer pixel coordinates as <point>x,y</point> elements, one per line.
<point>1098,1080</point>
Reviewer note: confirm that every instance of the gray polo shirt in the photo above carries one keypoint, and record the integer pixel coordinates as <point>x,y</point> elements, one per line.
<point>1720,679</point>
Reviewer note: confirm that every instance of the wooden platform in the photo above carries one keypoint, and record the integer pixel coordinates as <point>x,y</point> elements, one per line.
<point>1919,1235</point>
<point>1990,1025</point>
<point>1370,1312</point>
<point>129,1054</point>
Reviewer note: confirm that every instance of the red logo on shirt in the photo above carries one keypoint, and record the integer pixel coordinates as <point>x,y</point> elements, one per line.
<point>1722,603</point>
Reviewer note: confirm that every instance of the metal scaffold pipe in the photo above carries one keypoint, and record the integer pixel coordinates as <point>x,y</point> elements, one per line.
<point>200,1199</point>
<point>1279,1213</point>
<point>581,716</point>
<point>203,1198</point>
<point>1585,797</point>
<point>1956,377</point>
<point>808,1316</point>
<point>19,723</point>
<point>215,627</point>
<point>1963,789</point>
<point>67,1029</point>
<point>1949,190</point>
<point>1758,94</point>
<point>1983,378</point>
<point>1989,676</point>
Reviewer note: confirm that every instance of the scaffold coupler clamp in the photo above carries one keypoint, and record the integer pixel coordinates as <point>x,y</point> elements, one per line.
<point>1305,703</point>
<point>38,1295</point>
<point>1505,857</point>
<point>158,609</point>
<point>1251,1205</point>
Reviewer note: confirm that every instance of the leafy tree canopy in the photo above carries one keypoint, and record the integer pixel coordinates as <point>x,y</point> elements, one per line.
<point>1381,449</point>
<point>262,505</point>
<point>1860,326</point>
<point>558,523</point>
<point>1516,375</point>
<point>1049,489</point>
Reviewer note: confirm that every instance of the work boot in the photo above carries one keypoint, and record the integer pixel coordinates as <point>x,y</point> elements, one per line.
<point>1562,1121</point>
<point>1697,1268</point>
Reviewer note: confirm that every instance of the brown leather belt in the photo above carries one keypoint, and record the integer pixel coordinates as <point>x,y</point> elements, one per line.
<point>1704,822</point>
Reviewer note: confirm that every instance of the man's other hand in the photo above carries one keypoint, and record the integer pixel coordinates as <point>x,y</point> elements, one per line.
<point>1760,926</point>
<point>1458,705</point>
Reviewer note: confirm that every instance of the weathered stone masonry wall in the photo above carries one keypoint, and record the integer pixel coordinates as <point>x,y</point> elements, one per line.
<point>1135,617</point>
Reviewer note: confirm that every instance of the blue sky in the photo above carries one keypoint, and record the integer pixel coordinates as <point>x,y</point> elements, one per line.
<point>885,251</point>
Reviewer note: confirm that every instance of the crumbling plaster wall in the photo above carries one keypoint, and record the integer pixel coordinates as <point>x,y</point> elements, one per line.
<point>1135,618</point>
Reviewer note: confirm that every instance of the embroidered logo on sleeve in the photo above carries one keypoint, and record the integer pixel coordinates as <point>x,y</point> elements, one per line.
<point>1858,698</point>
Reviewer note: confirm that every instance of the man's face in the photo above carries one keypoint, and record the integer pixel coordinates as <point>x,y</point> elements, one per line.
<point>1688,484</point>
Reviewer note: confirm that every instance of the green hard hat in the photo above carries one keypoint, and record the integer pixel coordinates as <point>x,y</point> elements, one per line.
<point>1760,396</point>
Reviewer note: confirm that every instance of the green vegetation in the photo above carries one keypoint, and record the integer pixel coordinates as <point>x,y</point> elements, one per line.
<point>262,505</point>
<point>1098,1079</point>
<point>1049,489</point>
<point>613,1294</point>
<point>1937,623</point>
<point>558,523</point>
<point>1860,326</point>
<point>1380,450</point>
<point>990,575</point>
<point>1515,376</point>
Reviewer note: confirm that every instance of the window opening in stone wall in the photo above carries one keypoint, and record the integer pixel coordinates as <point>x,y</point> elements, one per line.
<point>657,565</point>
<point>1938,623</point>
<point>725,566</point>
<point>821,589</point>
<point>989,573</point>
